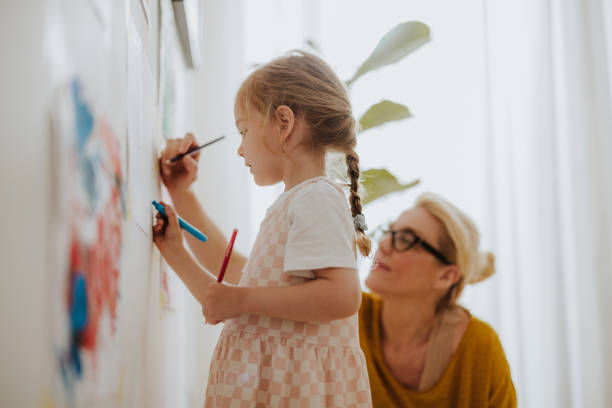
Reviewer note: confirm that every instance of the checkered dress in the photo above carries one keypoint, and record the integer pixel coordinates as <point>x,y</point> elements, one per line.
<point>260,361</point>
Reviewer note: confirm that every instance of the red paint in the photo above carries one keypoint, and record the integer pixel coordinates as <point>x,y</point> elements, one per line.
<point>99,261</point>
<point>102,272</point>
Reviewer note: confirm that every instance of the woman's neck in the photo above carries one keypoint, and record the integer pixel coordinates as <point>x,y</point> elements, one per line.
<point>301,167</point>
<point>406,323</point>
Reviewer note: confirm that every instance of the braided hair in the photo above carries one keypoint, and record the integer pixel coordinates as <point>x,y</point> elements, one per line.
<point>311,89</point>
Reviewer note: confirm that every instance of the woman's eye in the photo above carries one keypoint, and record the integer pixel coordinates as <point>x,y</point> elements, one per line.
<point>405,239</point>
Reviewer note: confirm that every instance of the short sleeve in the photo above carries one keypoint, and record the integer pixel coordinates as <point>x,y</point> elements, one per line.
<point>321,232</point>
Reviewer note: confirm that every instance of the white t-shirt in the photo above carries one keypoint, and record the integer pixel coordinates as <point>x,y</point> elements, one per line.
<point>321,230</point>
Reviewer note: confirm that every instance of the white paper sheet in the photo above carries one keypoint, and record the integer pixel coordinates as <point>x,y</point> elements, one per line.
<point>140,130</point>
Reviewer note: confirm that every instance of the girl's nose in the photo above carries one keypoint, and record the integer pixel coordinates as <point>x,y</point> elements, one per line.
<point>240,151</point>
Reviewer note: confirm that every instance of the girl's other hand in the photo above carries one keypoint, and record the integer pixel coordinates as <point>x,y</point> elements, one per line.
<point>180,175</point>
<point>167,233</point>
<point>222,302</point>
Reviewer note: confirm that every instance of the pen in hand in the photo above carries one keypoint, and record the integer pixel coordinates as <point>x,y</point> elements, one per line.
<point>192,151</point>
<point>183,224</point>
<point>228,253</point>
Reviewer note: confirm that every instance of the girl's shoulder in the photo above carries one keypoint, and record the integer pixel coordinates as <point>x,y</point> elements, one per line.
<point>321,191</point>
<point>319,185</point>
<point>317,188</point>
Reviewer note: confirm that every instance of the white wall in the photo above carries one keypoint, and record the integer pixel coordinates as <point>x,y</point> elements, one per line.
<point>165,354</point>
<point>24,162</point>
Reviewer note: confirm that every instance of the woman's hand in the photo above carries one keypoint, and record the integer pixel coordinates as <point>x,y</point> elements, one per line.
<point>180,175</point>
<point>167,234</point>
<point>222,302</point>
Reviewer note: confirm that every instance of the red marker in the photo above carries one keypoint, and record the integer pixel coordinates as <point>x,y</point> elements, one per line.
<point>228,253</point>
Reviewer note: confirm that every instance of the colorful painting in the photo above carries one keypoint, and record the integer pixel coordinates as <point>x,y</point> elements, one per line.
<point>90,212</point>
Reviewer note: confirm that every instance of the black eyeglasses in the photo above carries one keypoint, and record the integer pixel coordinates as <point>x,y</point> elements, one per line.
<point>403,240</point>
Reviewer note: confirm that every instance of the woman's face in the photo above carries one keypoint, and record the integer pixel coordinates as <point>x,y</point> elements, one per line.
<point>415,272</point>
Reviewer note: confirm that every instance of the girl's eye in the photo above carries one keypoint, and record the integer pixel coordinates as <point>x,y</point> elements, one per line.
<point>243,133</point>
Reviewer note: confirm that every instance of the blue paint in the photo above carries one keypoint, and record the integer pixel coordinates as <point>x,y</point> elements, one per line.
<point>88,179</point>
<point>78,303</point>
<point>84,123</point>
<point>75,359</point>
<point>78,320</point>
<point>83,116</point>
<point>63,363</point>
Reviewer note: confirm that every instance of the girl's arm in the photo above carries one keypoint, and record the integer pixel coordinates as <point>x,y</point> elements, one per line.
<point>168,239</point>
<point>335,294</point>
<point>178,177</point>
<point>210,254</point>
<point>196,278</point>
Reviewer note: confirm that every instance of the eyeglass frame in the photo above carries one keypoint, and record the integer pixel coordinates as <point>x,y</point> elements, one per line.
<point>417,241</point>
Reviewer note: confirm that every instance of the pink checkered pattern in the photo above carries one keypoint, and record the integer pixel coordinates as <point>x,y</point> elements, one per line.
<point>261,361</point>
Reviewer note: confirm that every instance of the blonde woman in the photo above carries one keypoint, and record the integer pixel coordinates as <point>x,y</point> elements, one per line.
<point>421,348</point>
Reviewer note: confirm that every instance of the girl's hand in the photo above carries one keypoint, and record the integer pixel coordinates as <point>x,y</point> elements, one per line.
<point>180,175</point>
<point>167,234</point>
<point>222,302</point>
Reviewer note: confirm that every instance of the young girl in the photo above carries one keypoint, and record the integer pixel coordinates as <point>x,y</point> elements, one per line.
<point>291,328</point>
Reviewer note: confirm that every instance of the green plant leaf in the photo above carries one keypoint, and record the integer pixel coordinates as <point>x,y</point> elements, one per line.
<point>403,39</point>
<point>378,183</point>
<point>381,113</point>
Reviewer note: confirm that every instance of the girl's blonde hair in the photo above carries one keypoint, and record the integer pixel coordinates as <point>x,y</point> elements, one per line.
<point>307,85</point>
<point>459,243</point>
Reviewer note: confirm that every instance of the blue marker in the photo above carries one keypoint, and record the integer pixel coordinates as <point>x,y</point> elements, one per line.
<point>184,225</point>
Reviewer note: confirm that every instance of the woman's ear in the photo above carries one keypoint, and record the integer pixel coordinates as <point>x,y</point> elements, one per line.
<point>285,119</point>
<point>447,277</point>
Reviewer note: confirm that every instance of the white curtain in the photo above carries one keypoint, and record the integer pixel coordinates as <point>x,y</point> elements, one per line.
<point>512,122</point>
<point>549,193</point>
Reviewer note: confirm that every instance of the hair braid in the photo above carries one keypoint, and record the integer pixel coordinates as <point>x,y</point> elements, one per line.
<point>312,90</point>
<point>352,161</point>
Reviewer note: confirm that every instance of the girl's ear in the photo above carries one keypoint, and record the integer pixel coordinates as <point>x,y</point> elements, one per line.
<point>446,277</point>
<point>285,119</point>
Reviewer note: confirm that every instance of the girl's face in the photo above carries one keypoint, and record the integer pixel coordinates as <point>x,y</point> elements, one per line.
<point>259,147</point>
<point>415,272</point>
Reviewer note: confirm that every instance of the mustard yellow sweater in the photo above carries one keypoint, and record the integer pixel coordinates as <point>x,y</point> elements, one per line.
<point>478,374</point>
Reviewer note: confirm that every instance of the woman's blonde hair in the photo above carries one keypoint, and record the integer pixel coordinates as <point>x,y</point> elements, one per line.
<point>459,243</point>
<point>307,85</point>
